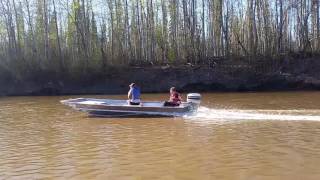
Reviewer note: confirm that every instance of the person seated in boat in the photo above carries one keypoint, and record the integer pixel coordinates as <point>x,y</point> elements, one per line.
<point>134,95</point>
<point>175,98</point>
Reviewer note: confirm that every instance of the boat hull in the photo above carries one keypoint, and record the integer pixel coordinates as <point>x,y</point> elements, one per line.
<point>120,108</point>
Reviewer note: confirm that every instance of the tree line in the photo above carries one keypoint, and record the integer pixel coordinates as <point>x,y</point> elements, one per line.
<point>77,35</point>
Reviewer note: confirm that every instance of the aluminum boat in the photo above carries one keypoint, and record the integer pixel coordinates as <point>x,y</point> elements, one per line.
<point>112,107</point>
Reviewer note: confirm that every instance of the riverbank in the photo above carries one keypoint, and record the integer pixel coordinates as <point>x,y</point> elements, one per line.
<point>301,74</point>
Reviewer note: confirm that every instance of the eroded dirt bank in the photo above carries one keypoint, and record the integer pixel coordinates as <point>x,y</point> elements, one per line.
<point>285,75</point>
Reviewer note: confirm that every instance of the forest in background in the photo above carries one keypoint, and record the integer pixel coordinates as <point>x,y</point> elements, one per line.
<point>81,36</point>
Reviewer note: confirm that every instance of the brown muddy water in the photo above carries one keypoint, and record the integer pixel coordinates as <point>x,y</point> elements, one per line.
<point>234,136</point>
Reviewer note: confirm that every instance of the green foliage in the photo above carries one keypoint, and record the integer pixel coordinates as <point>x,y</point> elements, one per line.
<point>71,26</point>
<point>20,26</point>
<point>94,33</point>
<point>52,33</point>
<point>171,55</point>
<point>3,31</point>
<point>159,36</point>
<point>39,27</point>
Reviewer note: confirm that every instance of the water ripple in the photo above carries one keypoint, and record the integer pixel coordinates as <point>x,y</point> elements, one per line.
<point>42,139</point>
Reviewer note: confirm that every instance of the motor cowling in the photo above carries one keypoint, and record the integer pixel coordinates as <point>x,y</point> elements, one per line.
<point>194,98</point>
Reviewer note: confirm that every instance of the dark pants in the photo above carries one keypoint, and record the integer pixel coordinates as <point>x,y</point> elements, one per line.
<point>168,103</point>
<point>134,103</point>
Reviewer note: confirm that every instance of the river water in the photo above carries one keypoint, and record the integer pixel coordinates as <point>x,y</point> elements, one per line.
<point>234,136</point>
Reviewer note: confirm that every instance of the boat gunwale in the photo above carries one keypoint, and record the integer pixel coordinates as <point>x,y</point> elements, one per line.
<point>77,102</point>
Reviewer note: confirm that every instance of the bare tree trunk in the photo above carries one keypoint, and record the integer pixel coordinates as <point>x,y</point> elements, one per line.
<point>318,25</point>
<point>46,29</point>
<point>30,23</point>
<point>204,51</point>
<point>110,5</point>
<point>12,47</point>
<point>18,47</point>
<point>61,60</point>
<point>127,33</point>
<point>164,32</point>
<point>280,27</point>
<point>193,30</point>
<point>226,31</point>
<point>102,45</point>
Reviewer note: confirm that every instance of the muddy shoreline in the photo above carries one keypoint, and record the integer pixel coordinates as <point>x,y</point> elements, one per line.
<point>285,76</point>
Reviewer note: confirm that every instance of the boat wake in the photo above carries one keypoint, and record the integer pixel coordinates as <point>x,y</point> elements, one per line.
<point>207,114</point>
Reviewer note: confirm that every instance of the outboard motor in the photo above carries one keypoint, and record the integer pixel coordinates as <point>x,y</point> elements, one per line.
<point>195,99</point>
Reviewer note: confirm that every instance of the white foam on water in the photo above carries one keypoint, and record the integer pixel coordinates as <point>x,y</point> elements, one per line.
<point>208,114</point>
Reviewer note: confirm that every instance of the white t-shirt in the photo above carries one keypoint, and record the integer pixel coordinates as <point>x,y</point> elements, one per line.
<point>135,100</point>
